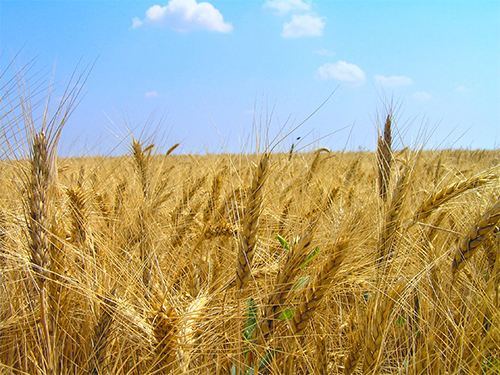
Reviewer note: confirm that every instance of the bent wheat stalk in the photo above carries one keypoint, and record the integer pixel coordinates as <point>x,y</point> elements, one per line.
<point>479,231</point>
<point>449,192</point>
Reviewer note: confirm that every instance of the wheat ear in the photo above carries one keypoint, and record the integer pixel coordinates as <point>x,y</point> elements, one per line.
<point>141,162</point>
<point>355,354</point>
<point>40,175</point>
<point>101,336</point>
<point>321,351</point>
<point>119,198</point>
<point>283,284</point>
<point>384,158</point>
<point>449,192</point>
<point>165,332</point>
<point>248,233</point>
<point>171,149</point>
<point>187,196</point>
<point>378,318</point>
<point>393,216</point>
<point>479,231</point>
<point>316,292</point>
<point>78,209</point>
<point>315,164</point>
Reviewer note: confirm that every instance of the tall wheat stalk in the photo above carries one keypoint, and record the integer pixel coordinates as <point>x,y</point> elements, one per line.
<point>40,175</point>
<point>384,158</point>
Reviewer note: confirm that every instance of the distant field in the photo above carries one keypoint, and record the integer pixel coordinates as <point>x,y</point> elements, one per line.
<point>303,263</point>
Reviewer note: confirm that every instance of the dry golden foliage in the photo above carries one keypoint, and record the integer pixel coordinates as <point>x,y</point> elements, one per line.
<point>200,231</point>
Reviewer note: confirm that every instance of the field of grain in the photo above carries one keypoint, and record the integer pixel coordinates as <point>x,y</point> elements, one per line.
<point>267,263</point>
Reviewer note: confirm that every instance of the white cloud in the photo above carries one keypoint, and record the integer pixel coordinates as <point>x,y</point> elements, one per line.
<point>324,52</point>
<point>462,89</point>
<point>421,95</point>
<point>156,13</point>
<point>393,81</point>
<point>341,71</point>
<point>185,15</point>
<point>136,22</point>
<point>151,94</point>
<point>283,7</point>
<point>303,25</point>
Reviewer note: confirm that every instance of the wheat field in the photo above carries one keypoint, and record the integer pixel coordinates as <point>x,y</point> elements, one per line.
<point>267,263</point>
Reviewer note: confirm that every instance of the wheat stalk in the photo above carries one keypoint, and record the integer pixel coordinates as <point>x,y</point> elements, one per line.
<point>384,158</point>
<point>250,222</point>
<point>40,175</point>
<point>142,158</point>
<point>393,216</point>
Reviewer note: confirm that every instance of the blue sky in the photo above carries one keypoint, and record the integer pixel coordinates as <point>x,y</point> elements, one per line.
<point>210,70</point>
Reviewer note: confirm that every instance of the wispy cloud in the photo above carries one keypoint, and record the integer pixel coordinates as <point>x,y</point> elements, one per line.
<point>136,22</point>
<point>151,94</point>
<point>324,52</point>
<point>283,7</point>
<point>183,16</point>
<point>341,71</point>
<point>303,25</point>
<point>393,81</point>
<point>421,95</point>
<point>462,89</point>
